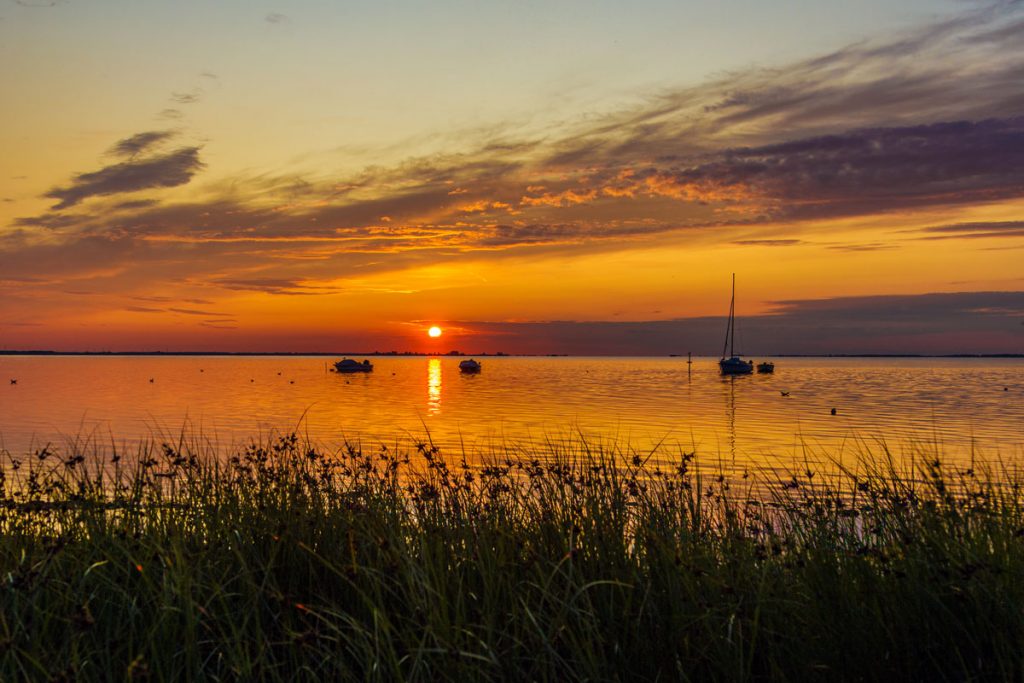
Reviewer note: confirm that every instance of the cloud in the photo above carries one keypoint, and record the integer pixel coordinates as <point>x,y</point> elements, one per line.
<point>539,234</point>
<point>936,73</point>
<point>937,323</point>
<point>865,171</point>
<point>186,97</point>
<point>903,307</point>
<point>171,299</point>
<point>867,246</point>
<point>140,142</point>
<point>875,127</point>
<point>23,280</point>
<point>770,243</point>
<point>565,198</point>
<point>285,286</point>
<point>193,311</point>
<point>54,221</point>
<point>275,18</point>
<point>134,204</point>
<point>993,229</point>
<point>168,170</point>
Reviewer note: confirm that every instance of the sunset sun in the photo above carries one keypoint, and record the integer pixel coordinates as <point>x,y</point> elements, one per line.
<point>434,331</point>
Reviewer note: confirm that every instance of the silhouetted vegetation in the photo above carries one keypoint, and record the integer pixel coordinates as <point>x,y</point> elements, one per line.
<point>285,561</point>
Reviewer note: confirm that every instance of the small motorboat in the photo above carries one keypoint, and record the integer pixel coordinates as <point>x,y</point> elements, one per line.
<point>767,367</point>
<point>469,365</point>
<point>347,365</point>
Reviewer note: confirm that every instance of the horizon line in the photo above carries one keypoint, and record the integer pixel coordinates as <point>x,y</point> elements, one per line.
<point>50,352</point>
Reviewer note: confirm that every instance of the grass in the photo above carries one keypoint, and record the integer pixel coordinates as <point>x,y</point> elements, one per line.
<point>285,561</point>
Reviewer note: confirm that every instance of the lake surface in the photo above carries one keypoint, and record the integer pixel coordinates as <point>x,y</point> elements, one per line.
<point>955,403</point>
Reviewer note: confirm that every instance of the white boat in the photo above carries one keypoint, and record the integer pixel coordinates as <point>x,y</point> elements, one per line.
<point>346,365</point>
<point>469,365</point>
<point>733,365</point>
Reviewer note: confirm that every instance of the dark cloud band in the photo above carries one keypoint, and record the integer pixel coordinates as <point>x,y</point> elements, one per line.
<point>168,170</point>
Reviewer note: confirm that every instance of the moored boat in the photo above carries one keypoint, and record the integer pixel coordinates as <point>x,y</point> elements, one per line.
<point>733,365</point>
<point>347,365</point>
<point>766,367</point>
<point>469,365</point>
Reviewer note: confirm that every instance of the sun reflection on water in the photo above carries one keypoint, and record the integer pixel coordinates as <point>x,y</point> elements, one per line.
<point>434,386</point>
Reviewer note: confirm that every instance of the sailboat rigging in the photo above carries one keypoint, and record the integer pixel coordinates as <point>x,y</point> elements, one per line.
<point>733,364</point>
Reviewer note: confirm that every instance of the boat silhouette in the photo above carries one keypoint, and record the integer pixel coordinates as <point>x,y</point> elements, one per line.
<point>733,364</point>
<point>347,365</point>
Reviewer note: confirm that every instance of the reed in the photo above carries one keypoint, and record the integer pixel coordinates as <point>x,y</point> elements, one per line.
<point>289,561</point>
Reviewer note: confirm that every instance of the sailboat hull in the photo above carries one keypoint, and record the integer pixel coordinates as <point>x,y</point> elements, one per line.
<point>735,366</point>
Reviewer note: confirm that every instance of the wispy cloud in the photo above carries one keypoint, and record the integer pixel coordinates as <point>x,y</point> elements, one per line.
<point>291,287</point>
<point>190,97</point>
<point>770,243</point>
<point>171,299</point>
<point>864,171</point>
<point>167,170</point>
<point>193,311</point>
<point>1013,229</point>
<point>865,246</point>
<point>140,142</point>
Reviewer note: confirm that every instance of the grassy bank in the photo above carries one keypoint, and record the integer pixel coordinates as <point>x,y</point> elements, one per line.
<point>285,562</point>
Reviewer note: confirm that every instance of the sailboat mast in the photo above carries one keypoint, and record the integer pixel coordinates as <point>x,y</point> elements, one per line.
<point>732,319</point>
<point>727,346</point>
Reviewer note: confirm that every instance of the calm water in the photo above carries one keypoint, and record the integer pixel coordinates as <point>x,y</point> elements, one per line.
<point>642,401</point>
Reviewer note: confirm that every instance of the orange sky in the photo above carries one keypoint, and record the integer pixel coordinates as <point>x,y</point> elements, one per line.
<point>868,192</point>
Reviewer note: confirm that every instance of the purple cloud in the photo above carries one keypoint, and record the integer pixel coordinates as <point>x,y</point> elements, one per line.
<point>990,229</point>
<point>940,323</point>
<point>140,142</point>
<point>870,170</point>
<point>168,170</point>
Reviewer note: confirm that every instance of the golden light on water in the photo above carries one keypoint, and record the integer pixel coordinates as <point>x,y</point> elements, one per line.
<point>434,384</point>
<point>434,331</point>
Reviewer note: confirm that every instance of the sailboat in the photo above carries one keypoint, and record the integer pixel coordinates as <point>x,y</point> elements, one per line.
<point>733,365</point>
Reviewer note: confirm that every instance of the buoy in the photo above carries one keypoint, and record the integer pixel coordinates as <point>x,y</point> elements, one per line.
<point>833,411</point>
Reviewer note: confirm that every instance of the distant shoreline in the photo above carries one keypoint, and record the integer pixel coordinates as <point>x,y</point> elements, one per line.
<point>499,354</point>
